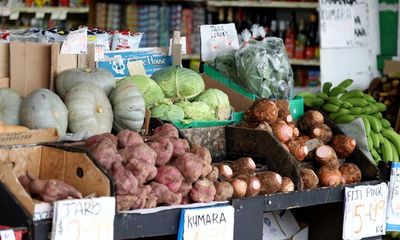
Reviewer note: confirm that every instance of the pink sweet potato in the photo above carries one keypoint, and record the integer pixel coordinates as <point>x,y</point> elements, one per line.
<point>106,153</point>
<point>164,195</point>
<point>202,152</point>
<point>143,171</point>
<point>190,166</point>
<point>185,188</point>
<point>164,152</point>
<point>224,191</point>
<point>125,182</point>
<point>203,191</point>
<point>180,146</point>
<point>52,190</point>
<point>141,152</point>
<point>170,177</point>
<point>128,138</point>
<point>93,140</point>
<point>167,130</point>
<point>213,175</point>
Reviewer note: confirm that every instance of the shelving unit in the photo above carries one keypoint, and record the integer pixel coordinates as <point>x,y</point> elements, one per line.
<point>263,4</point>
<point>5,11</point>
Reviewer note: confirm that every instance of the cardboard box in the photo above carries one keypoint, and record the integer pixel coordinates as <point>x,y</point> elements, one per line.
<point>4,82</point>
<point>281,225</point>
<point>29,137</point>
<point>71,166</point>
<point>4,59</point>
<point>391,68</point>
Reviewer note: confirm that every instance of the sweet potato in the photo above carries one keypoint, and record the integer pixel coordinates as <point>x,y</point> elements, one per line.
<point>151,201</point>
<point>329,176</point>
<point>52,190</point>
<point>180,146</point>
<point>25,182</point>
<point>202,152</point>
<point>326,156</point>
<point>343,145</point>
<point>253,185</point>
<point>186,200</point>
<point>322,132</point>
<point>224,191</point>
<point>239,187</point>
<point>125,182</point>
<point>167,130</point>
<point>170,177</point>
<point>287,185</point>
<point>141,152</point>
<point>244,165</point>
<point>190,166</point>
<point>125,202</point>
<point>128,138</point>
<point>207,169</point>
<point>271,182</point>
<point>310,119</point>
<point>225,171</point>
<point>350,173</point>
<point>164,152</point>
<point>213,175</point>
<point>262,110</point>
<point>282,131</point>
<point>164,195</point>
<point>143,171</point>
<point>95,139</point>
<point>185,188</point>
<point>142,194</point>
<point>298,149</point>
<point>105,152</point>
<point>309,178</point>
<point>203,191</point>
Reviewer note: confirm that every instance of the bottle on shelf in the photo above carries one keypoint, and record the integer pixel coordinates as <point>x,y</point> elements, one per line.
<point>290,38</point>
<point>311,37</point>
<point>300,42</point>
<point>273,30</point>
<point>282,29</point>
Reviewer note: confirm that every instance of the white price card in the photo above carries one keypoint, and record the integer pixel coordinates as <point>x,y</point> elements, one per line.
<point>84,219</point>
<point>76,42</point>
<point>182,42</point>
<point>217,40</point>
<point>365,211</point>
<point>7,234</point>
<point>98,52</point>
<point>393,207</point>
<point>209,223</point>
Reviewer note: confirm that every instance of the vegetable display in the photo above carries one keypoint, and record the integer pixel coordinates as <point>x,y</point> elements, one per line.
<point>151,92</point>
<point>344,106</point>
<point>218,101</point>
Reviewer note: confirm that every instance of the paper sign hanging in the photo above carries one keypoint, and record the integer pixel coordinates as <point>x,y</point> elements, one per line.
<point>365,211</point>
<point>210,223</point>
<point>84,219</point>
<point>76,42</point>
<point>393,207</point>
<point>217,40</point>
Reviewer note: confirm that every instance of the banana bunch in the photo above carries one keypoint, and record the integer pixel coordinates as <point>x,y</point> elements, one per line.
<point>344,106</point>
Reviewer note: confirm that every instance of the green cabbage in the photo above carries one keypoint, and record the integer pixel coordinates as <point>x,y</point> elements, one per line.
<point>179,83</point>
<point>218,101</point>
<point>167,112</point>
<point>152,93</point>
<point>197,111</point>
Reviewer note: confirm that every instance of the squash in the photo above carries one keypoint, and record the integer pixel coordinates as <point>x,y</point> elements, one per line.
<point>128,105</point>
<point>88,109</point>
<point>44,109</point>
<point>10,103</point>
<point>69,78</point>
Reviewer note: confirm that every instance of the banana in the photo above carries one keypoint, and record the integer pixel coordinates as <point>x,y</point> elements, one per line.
<point>385,123</point>
<point>357,102</point>
<point>369,98</point>
<point>306,95</point>
<point>375,139</point>
<point>393,137</point>
<point>314,102</point>
<point>346,118</point>
<point>352,94</point>
<point>329,107</point>
<point>367,125</point>
<point>386,149</point>
<point>347,105</point>
<point>334,100</point>
<point>342,111</point>
<point>345,83</point>
<point>370,143</point>
<point>357,110</point>
<point>337,91</point>
<point>376,125</point>
<point>395,155</point>
<point>377,115</point>
<point>322,95</point>
<point>326,87</point>
<point>375,155</point>
<point>380,106</point>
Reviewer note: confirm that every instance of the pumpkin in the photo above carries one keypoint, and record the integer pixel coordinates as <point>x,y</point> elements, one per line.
<point>10,103</point>
<point>69,78</point>
<point>44,109</point>
<point>128,106</point>
<point>88,109</point>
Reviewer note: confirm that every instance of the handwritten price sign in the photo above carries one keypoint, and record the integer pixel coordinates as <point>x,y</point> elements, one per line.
<point>365,211</point>
<point>393,208</point>
<point>75,42</point>
<point>84,219</point>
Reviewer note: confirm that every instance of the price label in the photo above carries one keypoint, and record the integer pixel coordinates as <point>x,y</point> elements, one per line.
<point>393,207</point>
<point>40,14</point>
<point>75,42</point>
<point>14,15</point>
<point>84,219</point>
<point>365,211</point>
<point>7,235</point>
<point>212,223</point>
<point>98,52</point>
<point>182,42</point>
<point>217,39</point>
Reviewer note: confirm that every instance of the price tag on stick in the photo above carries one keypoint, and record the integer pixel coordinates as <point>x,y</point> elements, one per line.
<point>365,211</point>
<point>393,207</point>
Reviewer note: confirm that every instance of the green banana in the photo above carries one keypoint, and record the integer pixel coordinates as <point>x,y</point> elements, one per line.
<point>393,137</point>
<point>329,107</point>
<point>337,91</point>
<point>346,118</point>
<point>369,98</point>
<point>380,106</point>
<point>357,110</point>
<point>367,125</point>
<point>376,125</point>
<point>377,115</point>
<point>370,143</point>
<point>375,155</point>
<point>385,123</point>
<point>357,102</point>
<point>326,87</point>
<point>314,102</point>
<point>352,94</point>
<point>306,95</point>
<point>345,83</point>
<point>347,105</point>
<point>334,100</point>
<point>395,155</point>
<point>342,111</point>
<point>375,139</point>
<point>322,95</point>
<point>386,149</point>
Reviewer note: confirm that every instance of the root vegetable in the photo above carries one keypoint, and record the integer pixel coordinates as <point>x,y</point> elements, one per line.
<point>125,202</point>
<point>312,146</point>
<point>329,176</point>
<point>52,190</point>
<point>185,188</point>
<point>271,182</point>
<point>282,131</point>
<point>322,132</point>
<point>309,178</point>
<point>203,191</point>
<point>141,152</point>
<point>164,195</point>
<point>105,152</point>
<point>93,140</point>
<point>298,149</point>
<point>343,145</point>
<point>25,182</point>
<point>287,185</point>
<point>350,173</point>
<point>164,152</point>
<point>207,169</point>
<point>166,130</point>
<point>190,166</point>
<point>170,177</point>
<point>310,119</point>
<point>180,146</point>
<point>213,175</point>
<point>262,110</point>
<point>128,138</point>
<point>239,187</point>
<point>253,185</point>
<point>225,170</point>
<point>125,182</point>
<point>284,110</point>
<point>202,152</point>
<point>326,156</point>
<point>244,165</point>
<point>141,197</point>
<point>186,200</point>
<point>151,201</point>
<point>224,191</point>
<point>143,172</point>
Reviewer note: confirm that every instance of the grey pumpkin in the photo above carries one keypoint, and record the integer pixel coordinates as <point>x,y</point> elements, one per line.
<point>10,104</point>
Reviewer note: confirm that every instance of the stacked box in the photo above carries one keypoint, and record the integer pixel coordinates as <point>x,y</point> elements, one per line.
<point>101,15</point>
<point>114,16</point>
<point>144,24</point>
<point>132,19</point>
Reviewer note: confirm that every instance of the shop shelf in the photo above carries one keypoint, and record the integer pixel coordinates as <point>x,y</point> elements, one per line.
<point>5,11</point>
<point>305,62</point>
<point>264,4</point>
